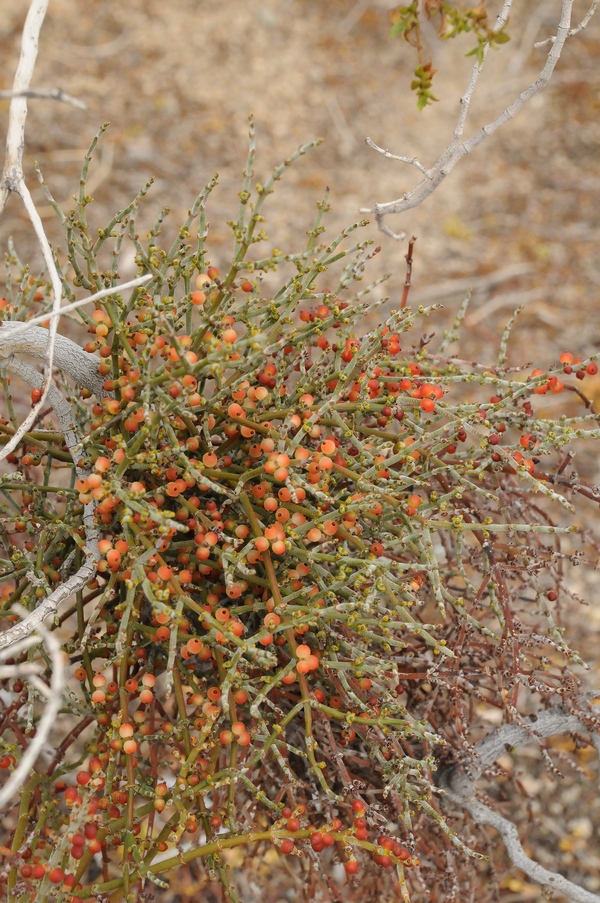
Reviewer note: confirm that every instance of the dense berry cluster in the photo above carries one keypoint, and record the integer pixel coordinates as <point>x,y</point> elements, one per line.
<point>313,540</point>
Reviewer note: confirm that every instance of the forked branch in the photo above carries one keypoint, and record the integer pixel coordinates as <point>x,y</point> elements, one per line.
<point>83,369</point>
<point>459,782</point>
<point>457,149</point>
<point>53,694</point>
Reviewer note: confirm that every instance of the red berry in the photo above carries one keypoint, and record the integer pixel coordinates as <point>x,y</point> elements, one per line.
<point>287,846</point>
<point>317,842</point>
<point>293,824</point>
<point>592,368</point>
<point>56,875</point>
<point>91,830</point>
<point>351,867</point>
<point>386,842</point>
<point>358,805</point>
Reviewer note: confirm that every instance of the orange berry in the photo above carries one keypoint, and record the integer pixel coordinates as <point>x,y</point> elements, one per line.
<point>235,410</point>
<point>113,558</point>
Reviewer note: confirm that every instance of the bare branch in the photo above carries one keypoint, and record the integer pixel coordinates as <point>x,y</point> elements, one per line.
<point>85,374</point>
<point>51,710</point>
<point>13,180</point>
<point>459,782</point>
<point>577,29</point>
<point>412,161</point>
<point>45,94</point>
<point>457,149</point>
<point>77,363</point>
<point>75,305</point>
<point>25,669</point>
<point>12,175</point>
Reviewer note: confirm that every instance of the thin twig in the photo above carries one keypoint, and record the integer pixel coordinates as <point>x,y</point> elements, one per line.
<point>457,149</point>
<point>63,411</point>
<point>409,261</point>
<point>412,161</point>
<point>459,783</point>
<point>45,94</point>
<point>577,28</point>
<point>48,719</point>
<point>13,180</point>
<point>17,327</point>
<point>15,138</point>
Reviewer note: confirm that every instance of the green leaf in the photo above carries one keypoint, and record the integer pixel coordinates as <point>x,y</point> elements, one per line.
<point>477,52</point>
<point>399,29</point>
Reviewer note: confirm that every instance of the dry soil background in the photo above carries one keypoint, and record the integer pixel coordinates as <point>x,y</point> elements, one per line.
<point>519,220</point>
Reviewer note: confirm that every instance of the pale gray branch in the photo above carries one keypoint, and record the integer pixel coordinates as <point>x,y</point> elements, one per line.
<point>33,340</point>
<point>573,31</point>
<point>63,411</point>
<point>25,669</point>
<point>15,138</point>
<point>457,149</point>
<point>24,427</point>
<point>412,161</point>
<point>13,180</point>
<point>19,327</point>
<point>45,94</point>
<point>459,783</point>
<point>54,700</point>
<point>18,648</point>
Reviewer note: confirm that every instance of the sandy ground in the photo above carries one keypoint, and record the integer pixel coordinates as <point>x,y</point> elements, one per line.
<point>519,220</point>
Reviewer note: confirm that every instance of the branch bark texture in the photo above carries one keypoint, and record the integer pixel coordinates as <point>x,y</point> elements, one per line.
<point>457,149</point>
<point>460,784</point>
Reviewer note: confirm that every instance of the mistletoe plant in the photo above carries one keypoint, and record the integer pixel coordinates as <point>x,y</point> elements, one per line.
<point>300,551</point>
